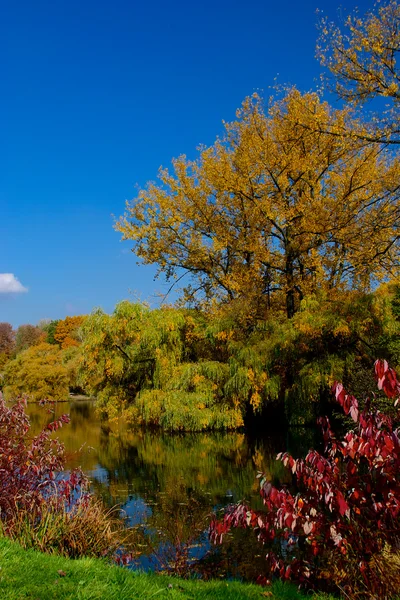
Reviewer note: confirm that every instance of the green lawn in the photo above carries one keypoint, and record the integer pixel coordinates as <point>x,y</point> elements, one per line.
<point>30,574</point>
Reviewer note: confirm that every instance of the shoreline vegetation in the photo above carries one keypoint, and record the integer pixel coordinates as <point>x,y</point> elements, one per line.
<point>327,519</point>
<point>71,397</point>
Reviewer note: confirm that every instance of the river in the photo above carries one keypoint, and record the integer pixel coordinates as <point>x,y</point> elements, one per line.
<point>167,485</point>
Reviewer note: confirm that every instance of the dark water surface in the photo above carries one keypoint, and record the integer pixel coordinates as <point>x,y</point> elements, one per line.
<point>168,484</point>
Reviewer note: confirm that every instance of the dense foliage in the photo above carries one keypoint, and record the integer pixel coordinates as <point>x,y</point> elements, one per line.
<point>183,369</point>
<point>7,339</point>
<point>66,332</point>
<point>341,526</point>
<point>7,343</point>
<point>40,361</point>
<point>38,373</point>
<point>27,336</point>
<point>192,370</point>
<point>156,368</point>
<point>28,467</point>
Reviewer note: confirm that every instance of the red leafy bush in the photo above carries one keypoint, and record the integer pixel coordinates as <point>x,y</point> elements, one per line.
<point>30,466</point>
<point>342,526</point>
<point>41,508</point>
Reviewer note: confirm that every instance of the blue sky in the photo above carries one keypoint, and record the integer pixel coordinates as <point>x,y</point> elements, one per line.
<point>95,97</point>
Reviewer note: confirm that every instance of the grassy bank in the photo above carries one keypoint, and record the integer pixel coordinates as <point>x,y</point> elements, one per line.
<point>30,574</point>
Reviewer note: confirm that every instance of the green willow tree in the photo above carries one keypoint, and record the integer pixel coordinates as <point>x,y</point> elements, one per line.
<point>277,209</point>
<point>155,367</point>
<point>186,370</point>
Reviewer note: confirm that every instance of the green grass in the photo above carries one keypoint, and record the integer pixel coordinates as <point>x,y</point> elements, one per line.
<point>31,574</point>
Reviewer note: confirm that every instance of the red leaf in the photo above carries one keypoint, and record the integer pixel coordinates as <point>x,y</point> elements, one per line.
<point>343,506</point>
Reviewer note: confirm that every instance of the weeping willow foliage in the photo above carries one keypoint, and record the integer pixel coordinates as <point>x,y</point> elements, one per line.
<point>153,367</point>
<point>186,370</point>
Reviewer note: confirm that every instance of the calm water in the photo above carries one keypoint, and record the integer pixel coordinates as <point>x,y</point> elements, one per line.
<point>167,484</point>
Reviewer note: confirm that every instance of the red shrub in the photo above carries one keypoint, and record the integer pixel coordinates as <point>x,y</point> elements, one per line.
<point>42,509</point>
<point>30,466</point>
<point>342,526</point>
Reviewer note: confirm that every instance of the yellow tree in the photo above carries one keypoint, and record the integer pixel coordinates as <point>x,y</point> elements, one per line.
<point>276,209</point>
<point>362,57</point>
<point>37,372</point>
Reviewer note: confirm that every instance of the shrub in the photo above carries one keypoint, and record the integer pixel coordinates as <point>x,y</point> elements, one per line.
<point>38,506</point>
<point>28,466</point>
<point>341,528</point>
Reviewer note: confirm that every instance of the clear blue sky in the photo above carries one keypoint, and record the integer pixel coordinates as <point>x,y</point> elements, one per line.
<point>95,96</point>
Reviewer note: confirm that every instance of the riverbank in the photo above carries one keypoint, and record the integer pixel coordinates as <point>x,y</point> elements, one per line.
<point>33,575</point>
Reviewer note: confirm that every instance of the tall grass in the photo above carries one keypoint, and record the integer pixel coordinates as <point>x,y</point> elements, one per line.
<point>88,529</point>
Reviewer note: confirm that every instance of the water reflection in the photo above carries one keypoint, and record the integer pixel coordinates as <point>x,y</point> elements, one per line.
<point>167,484</point>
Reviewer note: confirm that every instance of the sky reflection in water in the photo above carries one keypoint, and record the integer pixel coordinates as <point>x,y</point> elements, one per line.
<point>167,484</point>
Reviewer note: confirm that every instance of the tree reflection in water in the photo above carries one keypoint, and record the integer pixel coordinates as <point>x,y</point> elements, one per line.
<point>166,484</point>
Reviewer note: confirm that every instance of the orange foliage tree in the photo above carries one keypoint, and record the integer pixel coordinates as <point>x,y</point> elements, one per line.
<point>66,332</point>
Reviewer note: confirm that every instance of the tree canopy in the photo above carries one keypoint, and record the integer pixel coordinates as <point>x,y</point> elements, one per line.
<point>188,370</point>
<point>37,372</point>
<point>276,209</point>
<point>27,336</point>
<point>7,343</point>
<point>152,367</point>
<point>362,57</point>
<point>66,331</point>
<point>7,339</point>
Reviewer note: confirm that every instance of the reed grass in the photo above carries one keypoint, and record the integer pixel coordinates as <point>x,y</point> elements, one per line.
<point>89,529</point>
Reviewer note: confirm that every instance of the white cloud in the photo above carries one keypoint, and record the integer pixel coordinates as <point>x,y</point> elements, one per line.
<point>9,284</point>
